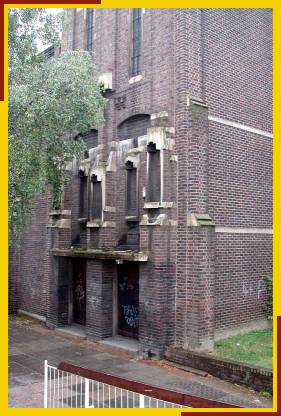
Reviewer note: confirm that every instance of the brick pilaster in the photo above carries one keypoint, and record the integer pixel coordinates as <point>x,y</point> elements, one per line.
<point>99,299</point>
<point>59,236</point>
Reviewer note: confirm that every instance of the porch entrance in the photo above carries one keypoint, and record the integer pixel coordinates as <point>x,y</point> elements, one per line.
<point>128,299</point>
<point>79,291</point>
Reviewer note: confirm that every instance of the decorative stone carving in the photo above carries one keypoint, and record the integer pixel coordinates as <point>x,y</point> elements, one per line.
<point>120,102</point>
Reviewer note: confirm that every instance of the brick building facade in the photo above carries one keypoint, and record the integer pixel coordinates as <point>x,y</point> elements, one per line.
<point>165,231</point>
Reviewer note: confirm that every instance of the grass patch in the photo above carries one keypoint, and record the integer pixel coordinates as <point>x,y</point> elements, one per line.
<point>255,347</point>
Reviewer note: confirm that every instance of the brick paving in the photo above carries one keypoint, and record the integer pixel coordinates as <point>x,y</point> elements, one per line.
<point>31,343</point>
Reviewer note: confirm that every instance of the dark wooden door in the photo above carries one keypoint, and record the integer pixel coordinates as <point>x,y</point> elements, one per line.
<point>128,300</point>
<point>79,291</point>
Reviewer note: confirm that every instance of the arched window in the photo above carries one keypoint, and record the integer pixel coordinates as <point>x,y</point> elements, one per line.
<point>96,205</point>
<point>83,195</point>
<point>134,127</point>
<point>154,174</point>
<point>89,29</point>
<point>131,189</point>
<point>136,41</point>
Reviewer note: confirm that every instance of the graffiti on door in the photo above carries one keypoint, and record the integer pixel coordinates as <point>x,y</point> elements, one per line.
<point>128,300</point>
<point>131,315</point>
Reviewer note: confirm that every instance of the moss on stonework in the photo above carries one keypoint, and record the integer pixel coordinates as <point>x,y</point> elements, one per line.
<point>128,255</point>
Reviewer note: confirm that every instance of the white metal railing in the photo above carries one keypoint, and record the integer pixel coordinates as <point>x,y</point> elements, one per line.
<point>66,390</point>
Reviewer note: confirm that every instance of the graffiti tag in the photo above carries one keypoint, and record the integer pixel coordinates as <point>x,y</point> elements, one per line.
<point>131,315</point>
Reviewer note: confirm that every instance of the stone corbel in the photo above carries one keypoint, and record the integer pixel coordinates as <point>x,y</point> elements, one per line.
<point>134,159</point>
<point>59,219</point>
<point>160,220</point>
<point>98,171</point>
<point>85,166</point>
<point>199,220</point>
<point>196,101</point>
<point>162,137</point>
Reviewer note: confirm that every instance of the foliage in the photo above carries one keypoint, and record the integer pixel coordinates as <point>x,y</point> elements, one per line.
<point>28,28</point>
<point>269,301</point>
<point>50,100</point>
<point>266,395</point>
<point>255,347</point>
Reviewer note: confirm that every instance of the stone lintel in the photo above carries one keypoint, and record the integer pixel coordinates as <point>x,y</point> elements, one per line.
<point>98,254</point>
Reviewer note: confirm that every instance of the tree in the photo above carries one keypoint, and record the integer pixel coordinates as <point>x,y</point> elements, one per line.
<point>49,100</point>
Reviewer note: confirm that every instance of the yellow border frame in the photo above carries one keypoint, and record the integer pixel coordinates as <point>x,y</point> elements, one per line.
<point>4,211</point>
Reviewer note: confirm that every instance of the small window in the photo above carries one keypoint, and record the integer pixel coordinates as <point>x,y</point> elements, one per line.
<point>89,29</point>
<point>154,174</point>
<point>96,211</point>
<point>131,189</point>
<point>136,41</point>
<point>83,197</point>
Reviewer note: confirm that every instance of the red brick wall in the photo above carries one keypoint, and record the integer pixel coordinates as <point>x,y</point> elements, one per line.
<point>193,282</point>
<point>237,74</point>
<point>237,65</point>
<point>241,263</point>
<point>32,278</point>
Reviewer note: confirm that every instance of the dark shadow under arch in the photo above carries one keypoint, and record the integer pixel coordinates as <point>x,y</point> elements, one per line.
<point>134,126</point>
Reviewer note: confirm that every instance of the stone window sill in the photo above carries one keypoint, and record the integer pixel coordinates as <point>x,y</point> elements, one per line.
<point>132,219</point>
<point>58,212</point>
<point>82,220</point>
<point>155,205</point>
<point>101,224</point>
<point>136,78</point>
<point>94,223</point>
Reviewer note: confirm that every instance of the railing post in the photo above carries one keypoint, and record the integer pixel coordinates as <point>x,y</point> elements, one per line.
<point>45,384</point>
<point>141,401</point>
<point>87,404</point>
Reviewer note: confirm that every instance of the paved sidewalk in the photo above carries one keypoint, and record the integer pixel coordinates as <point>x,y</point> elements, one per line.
<point>31,343</point>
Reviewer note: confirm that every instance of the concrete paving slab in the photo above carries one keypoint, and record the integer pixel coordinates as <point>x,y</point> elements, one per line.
<point>14,351</point>
<point>74,330</point>
<point>128,344</point>
<point>30,362</point>
<point>16,369</point>
<point>28,396</point>
<point>30,378</point>
<point>36,343</point>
